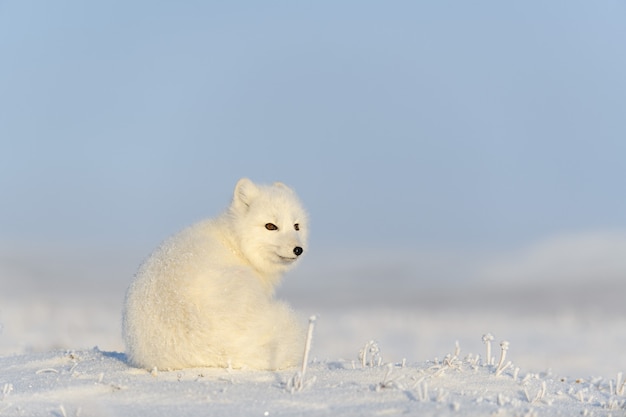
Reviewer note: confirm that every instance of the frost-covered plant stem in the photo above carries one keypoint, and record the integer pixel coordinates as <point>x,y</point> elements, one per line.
<point>297,382</point>
<point>542,391</point>
<point>422,391</point>
<point>540,394</point>
<point>504,345</point>
<point>389,381</point>
<point>372,350</point>
<point>487,339</point>
<point>307,344</point>
<point>619,384</point>
<point>6,390</point>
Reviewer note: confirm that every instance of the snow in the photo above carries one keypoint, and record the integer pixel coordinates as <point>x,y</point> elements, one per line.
<point>565,348</point>
<point>95,382</point>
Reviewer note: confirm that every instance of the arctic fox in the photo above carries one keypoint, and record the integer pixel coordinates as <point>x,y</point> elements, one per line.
<point>205,297</point>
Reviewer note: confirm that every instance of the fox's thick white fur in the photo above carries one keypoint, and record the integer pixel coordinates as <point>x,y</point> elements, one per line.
<point>205,297</point>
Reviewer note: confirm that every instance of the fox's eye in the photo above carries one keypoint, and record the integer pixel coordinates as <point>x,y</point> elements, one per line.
<point>271,226</point>
<point>296,226</point>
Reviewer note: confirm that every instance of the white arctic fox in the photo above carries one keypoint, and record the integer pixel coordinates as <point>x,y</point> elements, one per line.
<point>205,297</point>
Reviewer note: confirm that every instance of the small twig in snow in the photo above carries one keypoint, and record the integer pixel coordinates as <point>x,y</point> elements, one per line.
<point>441,395</point>
<point>504,345</point>
<point>540,394</point>
<point>449,362</point>
<point>307,345</point>
<point>487,339</point>
<point>619,384</point>
<point>297,382</point>
<point>472,361</point>
<point>6,390</point>
<point>422,391</point>
<point>528,398</point>
<point>581,396</point>
<point>389,381</point>
<point>73,367</point>
<point>542,391</point>
<point>372,351</point>
<point>503,368</point>
<point>46,370</point>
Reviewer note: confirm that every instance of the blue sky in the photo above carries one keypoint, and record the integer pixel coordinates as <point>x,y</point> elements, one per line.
<point>411,124</point>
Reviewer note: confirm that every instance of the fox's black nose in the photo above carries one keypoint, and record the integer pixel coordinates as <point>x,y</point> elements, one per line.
<point>298,250</point>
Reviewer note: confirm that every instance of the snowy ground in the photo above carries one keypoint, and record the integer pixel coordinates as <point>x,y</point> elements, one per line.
<point>93,382</point>
<point>566,345</point>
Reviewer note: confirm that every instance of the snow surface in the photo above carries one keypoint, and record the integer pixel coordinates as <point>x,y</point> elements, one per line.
<point>566,345</point>
<point>99,383</point>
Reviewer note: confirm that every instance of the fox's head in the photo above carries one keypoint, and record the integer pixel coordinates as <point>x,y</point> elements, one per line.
<point>270,226</point>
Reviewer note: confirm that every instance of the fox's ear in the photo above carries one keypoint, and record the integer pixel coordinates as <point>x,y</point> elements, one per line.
<point>281,185</point>
<point>245,192</point>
